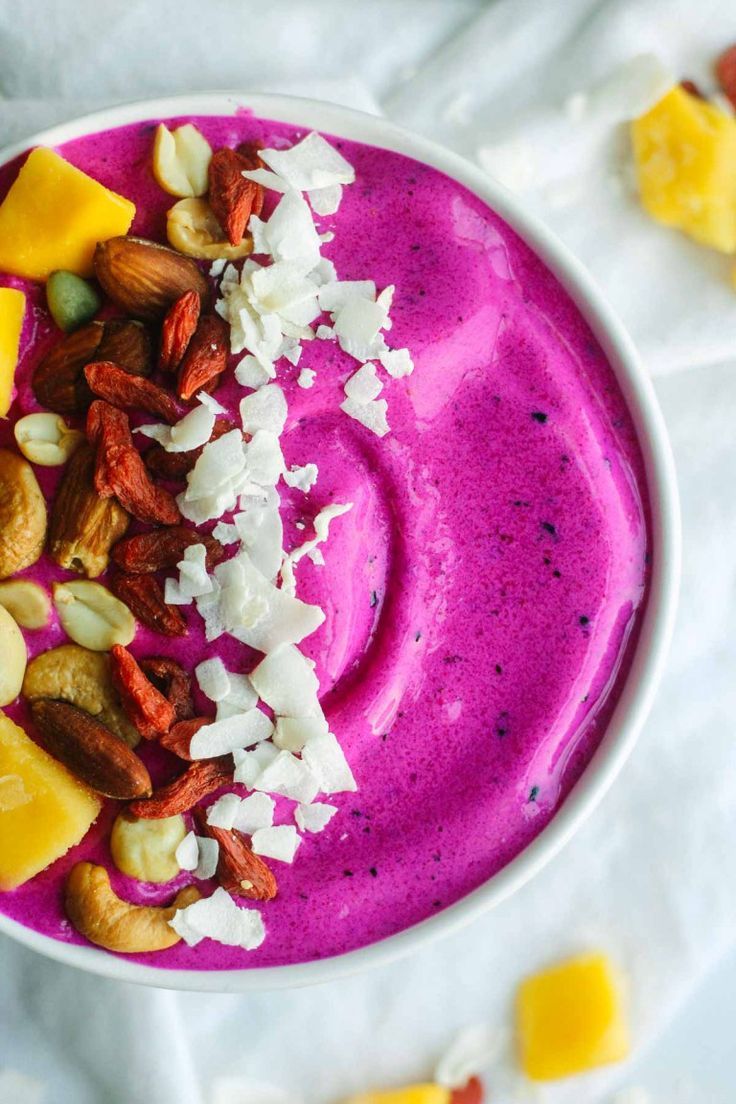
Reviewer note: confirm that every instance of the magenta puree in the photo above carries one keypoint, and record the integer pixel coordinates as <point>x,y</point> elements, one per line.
<point>482,598</point>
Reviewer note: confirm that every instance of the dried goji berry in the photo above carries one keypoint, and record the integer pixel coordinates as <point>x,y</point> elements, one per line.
<point>120,471</point>
<point>118,387</point>
<point>162,549</point>
<point>179,325</point>
<point>239,869</point>
<point>205,358</point>
<point>250,153</point>
<point>177,465</point>
<point>198,781</point>
<point>145,706</point>
<point>726,72</point>
<point>173,682</point>
<point>144,597</point>
<point>231,195</point>
<point>179,736</point>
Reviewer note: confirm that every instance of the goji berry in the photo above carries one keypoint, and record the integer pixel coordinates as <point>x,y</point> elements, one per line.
<point>120,388</point>
<point>144,597</point>
<point>239,869</point>
<point>205,358</point>
<point>198,781</point>
<point>173,682</point>
<point>179,737</point>
<point>145,706</point>
<point>231,195</point>
<point>179,325</point>
<point>163,549</point>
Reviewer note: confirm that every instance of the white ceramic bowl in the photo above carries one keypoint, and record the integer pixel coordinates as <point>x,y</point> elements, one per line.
<point>641,683</point>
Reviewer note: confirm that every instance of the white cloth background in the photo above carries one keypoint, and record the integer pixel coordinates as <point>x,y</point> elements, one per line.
<point>652,875</point>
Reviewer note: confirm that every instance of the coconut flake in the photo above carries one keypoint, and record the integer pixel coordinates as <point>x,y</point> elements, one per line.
<point>230,734</point>
<point>288,776</point>
<point>292,733</point>
<point>306,378</point>
<point>279,842</point>
<point>219,918</point>
<point>213,679</point>
<point>286,682</point>
<point>311,164</point>
<point>264,409</point>
<point>264,457</point>
<point>326,333</point>
<point>325,201</point>
<point>326,760</point>
<point>397,362</point>
<point>364,385</point>
<point>187,853</point>
<point>253,813</point>
<point>303,478</point>
<point>250,764</point>
<point>222,813</point>
<point>261,530</point>
<point>314,817</point>
<point>337,294</point>
<point>251,373</point>
<point>194,430</point>
<point>372,415</point>
<point>226,533</point>
<point>357,327</point>
<point>208,857</point>
<point>321,533</point>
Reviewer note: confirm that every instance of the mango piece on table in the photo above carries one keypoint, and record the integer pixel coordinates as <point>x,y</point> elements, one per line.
<point>54,215</point>
<point>427,1093</point>
<point>570,1019</point>
<point>44,810</point>
<point>685,154</point>
<point>12,311</point>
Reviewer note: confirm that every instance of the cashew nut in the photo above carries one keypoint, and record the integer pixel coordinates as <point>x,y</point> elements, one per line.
<point>76,675</point>
<point>92,616</point>
<point>101,916</point>
<point>27,602</point>
<point>192,228</point>
<point>22,514</point>
<point>13,658</point>
<point>145,849</point>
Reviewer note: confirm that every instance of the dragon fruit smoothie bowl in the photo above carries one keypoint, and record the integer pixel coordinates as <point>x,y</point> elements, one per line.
<point>430,565</point>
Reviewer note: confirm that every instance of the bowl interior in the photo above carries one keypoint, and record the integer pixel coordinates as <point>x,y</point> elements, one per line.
<point>638,690</point>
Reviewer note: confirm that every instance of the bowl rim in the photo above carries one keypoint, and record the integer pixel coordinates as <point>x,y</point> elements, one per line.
<point>656,629</point>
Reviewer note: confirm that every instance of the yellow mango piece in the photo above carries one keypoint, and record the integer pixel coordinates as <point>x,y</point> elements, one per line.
<point>54,215</point>
<point>570,1019</point>
<point>685,154</point>
<point>12,311</point>
<point>413,1094</point>
<point>44,810</point>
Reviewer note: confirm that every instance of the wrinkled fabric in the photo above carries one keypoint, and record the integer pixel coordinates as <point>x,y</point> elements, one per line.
<point>650,876</point>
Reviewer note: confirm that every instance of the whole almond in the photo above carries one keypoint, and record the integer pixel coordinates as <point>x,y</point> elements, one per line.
<point>58,381</point>
<point>127,344</point>
<point>90,751</point>
<point>145,278</point>
<point>84,527</point>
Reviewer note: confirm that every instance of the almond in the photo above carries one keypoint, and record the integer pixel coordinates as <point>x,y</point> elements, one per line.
<point>84,527</point>
<point>22,514</point>
<point>127,344</point>
<point>58,381</point>
<point>90,751</point>
<point>145,278</point>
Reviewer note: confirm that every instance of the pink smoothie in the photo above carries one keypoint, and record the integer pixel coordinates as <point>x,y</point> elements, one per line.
<point>483,597</point>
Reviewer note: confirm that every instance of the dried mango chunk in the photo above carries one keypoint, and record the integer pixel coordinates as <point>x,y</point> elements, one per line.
<point>44,810</point>
<point>54,215</point>
<point>12,311</point>
<point>570,1019</point>
<point>427,1093</point>
<point>685,154</point>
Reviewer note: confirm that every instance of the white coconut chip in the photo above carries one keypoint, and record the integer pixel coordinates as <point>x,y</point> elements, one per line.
<point>292,733</point>
<point>357,326</point>
<point>226,533</point>
<point>325,201</point>
<point>193,579</point>
<point>241,693</point>
<point>311,164</point>
<point>326,761</point>
<point>364,385</point>
<point>264,409</point>
<point>217,268</point>
<point>397,362</point>
<point>326,333</point>
<point>289,234</point>
<point>251,373</point>
<point>306,378</point>
<point>321,533</point>
<point>264,458</point>
<point>208,857</point>
<point>253,813</point>
<point>250,764</point>
<point>213,679</point>
<point>194,429</point>
<point>187,853</point>
<point>290,777</point>
<point>279,842</point>
<point>269,180</point>
<point>219,918</point>
<point>242,730</point>
<point>222,813</point>
<point>285,681</point>
<point>314,817</point>
<point>337,294</point>
<point>372,415</point>
<point>303,478</point>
